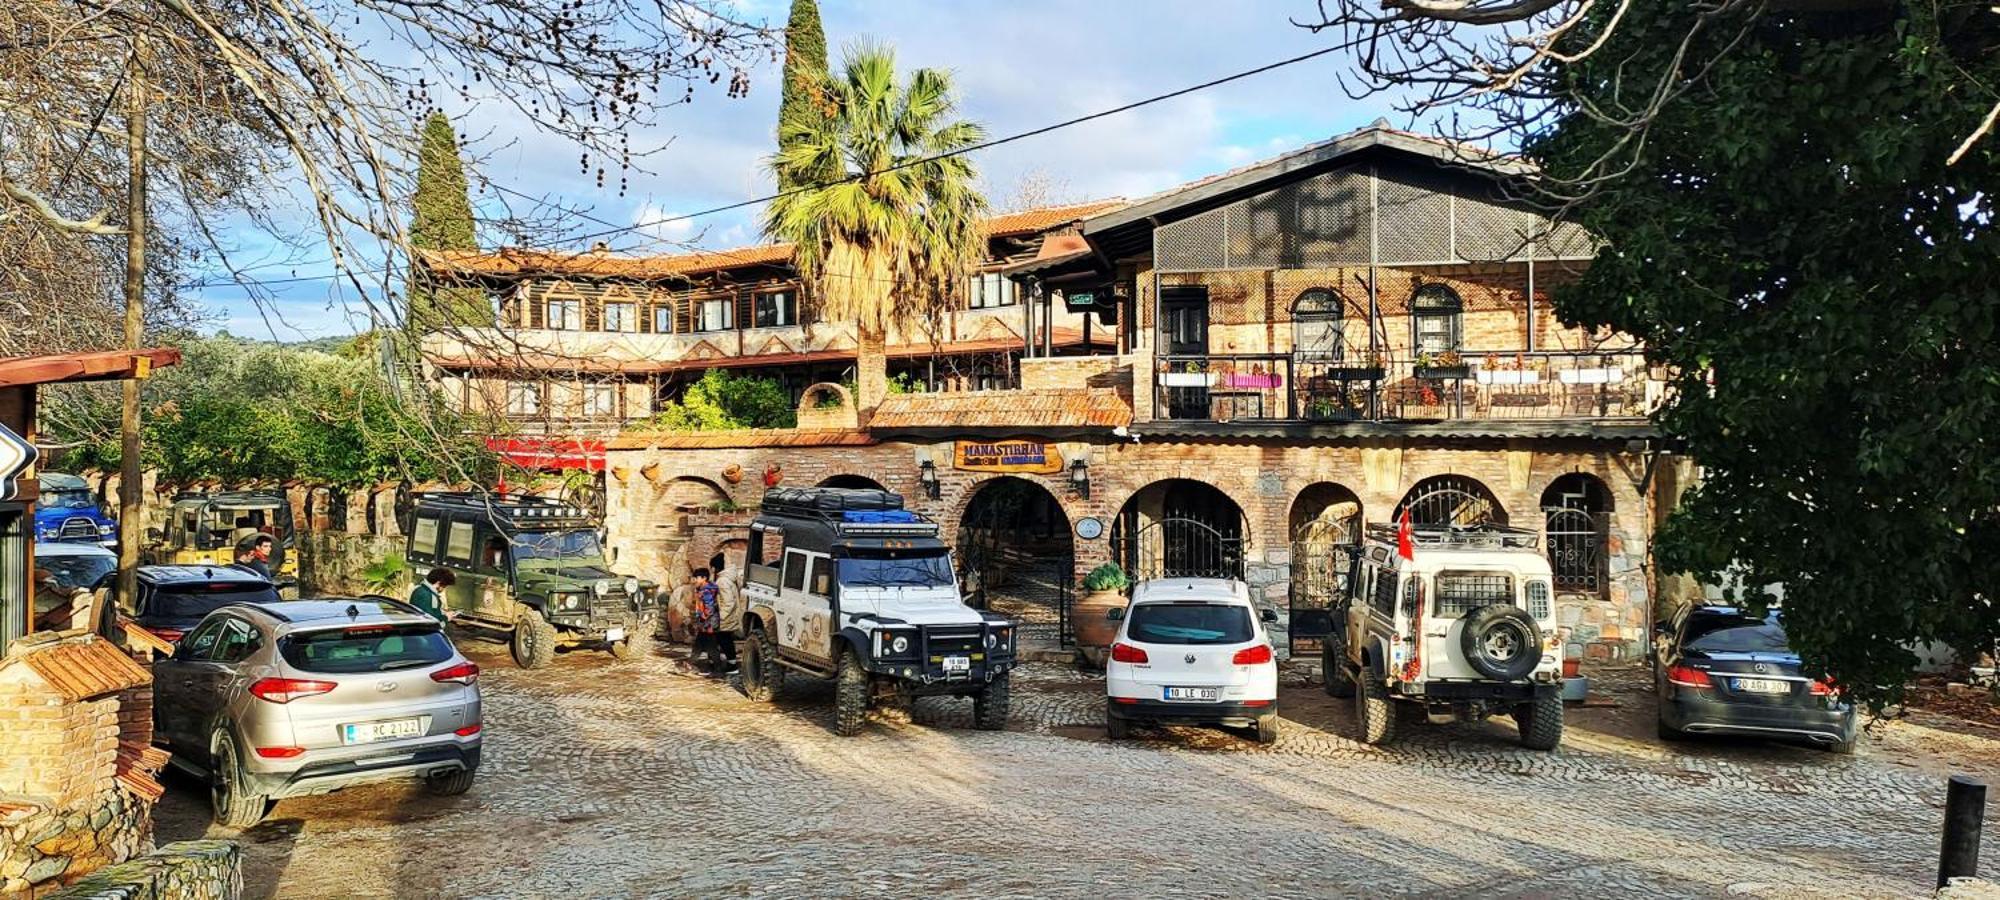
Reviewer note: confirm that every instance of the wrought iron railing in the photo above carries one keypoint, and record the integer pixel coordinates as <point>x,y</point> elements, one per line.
<point>1253,387</point>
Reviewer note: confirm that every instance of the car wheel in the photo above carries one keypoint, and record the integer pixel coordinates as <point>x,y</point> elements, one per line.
<point>850,695</point>
<point>1501,642</point>
<point>1542,721</point>
<point>1338,680</point>
<point>1115,726</point>
<point>990,705</point>
<point>761,677</point>
<point>450,785</point>
<point>1667,732</point>
<point>235,806</point>
<point>1267,728</point>
<point>1844,748</point>
<point>634,645</point>
<point>534,641</point>
<point>1374,711</point>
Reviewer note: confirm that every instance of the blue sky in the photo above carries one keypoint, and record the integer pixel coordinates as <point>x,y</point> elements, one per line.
<point>1018,65</point>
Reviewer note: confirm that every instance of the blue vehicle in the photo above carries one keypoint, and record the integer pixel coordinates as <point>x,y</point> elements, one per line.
<point>68,511</point>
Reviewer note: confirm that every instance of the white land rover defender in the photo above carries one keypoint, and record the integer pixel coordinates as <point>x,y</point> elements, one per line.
<point>849,585</point>
<point>1465,627</point>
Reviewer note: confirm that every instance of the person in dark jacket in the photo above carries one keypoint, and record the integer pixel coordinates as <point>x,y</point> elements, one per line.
<point>429,596</point>
<point>253,553</point>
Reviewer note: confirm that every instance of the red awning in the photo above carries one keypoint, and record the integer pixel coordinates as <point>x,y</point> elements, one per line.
<point>543,453</point>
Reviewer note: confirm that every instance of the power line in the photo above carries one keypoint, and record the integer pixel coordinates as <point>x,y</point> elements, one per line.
<point>984,145</point>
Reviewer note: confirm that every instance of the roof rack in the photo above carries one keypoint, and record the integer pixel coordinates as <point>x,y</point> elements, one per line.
<point>850,511</point>
<point>1460,537</point>
<point>515,508</point>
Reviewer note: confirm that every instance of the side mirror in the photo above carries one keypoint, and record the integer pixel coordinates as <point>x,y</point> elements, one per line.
<point>1269,615</point>
<point>1115,614</point>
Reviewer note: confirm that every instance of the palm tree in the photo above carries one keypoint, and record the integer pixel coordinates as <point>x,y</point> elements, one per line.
<point>883,225</point>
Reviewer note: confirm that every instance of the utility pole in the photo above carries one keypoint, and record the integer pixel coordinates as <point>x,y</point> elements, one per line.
<point>131,517</point>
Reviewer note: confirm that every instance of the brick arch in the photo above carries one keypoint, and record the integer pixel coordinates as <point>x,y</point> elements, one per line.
<point>680,489</point>
<point>1449,484</point>
<point>1071,506</point>
<point>851,480</point>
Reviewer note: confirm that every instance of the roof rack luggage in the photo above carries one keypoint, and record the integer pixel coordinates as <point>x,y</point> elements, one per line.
<point>520,509</point>
<point>1460,537</point>
<point>850,511</point>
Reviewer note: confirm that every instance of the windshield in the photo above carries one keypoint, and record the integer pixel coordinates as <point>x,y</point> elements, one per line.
<point>929,567</point>
<point>1190,623</point>
<point>1737,634</point>
<point>76,498</point>
<point>580,547</point>
<point>78,571</point>
<point>192,601</point>
<point>366,648</point>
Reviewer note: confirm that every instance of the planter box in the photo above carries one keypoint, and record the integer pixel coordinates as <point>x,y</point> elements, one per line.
<point>1355,373</point>
<point>1184,379</point>
<point>1253,381</point>
<point>1443,371</point>
<point>1509,376</point>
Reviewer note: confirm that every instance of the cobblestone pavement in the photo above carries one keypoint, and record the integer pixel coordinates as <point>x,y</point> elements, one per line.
<point>639,779</point>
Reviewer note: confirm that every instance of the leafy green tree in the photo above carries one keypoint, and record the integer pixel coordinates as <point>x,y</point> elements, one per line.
<point>1824,290</point>
<point>805,69</point>
<point>441,220</point>
<point>896,223</point>
<point>720,401</point>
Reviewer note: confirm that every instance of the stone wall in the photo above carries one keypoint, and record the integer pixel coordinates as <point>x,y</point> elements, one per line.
<point>44,845</point>
<point>332,562</point>
<point>189,870</point>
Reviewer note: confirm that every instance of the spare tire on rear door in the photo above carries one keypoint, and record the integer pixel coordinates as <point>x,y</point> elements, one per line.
<point>1501,642</point>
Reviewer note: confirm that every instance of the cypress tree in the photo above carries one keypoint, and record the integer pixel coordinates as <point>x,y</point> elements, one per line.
<point>442,220</point>
<point>805,65</point>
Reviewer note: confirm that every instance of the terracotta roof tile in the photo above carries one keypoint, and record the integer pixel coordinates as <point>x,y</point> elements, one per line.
<point>749,437</point>
<point>1003,409</point>
<point>140,785</point>
<point>80,666</point>
<point>1040,218</point>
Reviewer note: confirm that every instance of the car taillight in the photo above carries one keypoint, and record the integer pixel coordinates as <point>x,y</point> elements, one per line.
<point>1252,656</point>
<point>469,730</point>
<point>1688,677</point>
<point>285,690</point>
<point>1824,688</point>
<point>463,673</point>
<point>170,635</point>
<point>1126,653</point>
<point>279,752</point>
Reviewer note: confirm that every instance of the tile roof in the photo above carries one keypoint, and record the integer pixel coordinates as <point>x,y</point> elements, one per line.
<point>749,437</point>
<point>515,261</point>
<point>537,362</point>
<point>1003,409</point>
<point>78,665</point>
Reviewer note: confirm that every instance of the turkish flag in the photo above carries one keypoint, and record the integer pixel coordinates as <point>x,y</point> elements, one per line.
<point>1406,544</point>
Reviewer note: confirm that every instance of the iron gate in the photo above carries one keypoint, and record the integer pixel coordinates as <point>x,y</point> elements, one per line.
<point>1322,556</point>
<point>1182,548</point>
<point>1065,601</point>
<point>1451,500</point>
<point>1576,539</point>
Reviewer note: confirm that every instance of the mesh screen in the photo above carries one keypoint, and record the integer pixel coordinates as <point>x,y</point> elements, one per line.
<point>1459,593</point>
<point>1191,244</point>
<point>1415,224</point>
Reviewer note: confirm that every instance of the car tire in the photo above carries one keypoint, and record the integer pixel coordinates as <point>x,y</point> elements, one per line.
<point>1116,727</point>
<point>1541,721</point>
<point>1844,748</point>
<point>234,805</point>
<point>1666,732</point>
<point>1267,728</point>
<point>1339,682</point>
<point>1374,711</point>
<point>450,785</point>
<point>850,695</point>
<point>534,643</point>
<point>991,705</point>
<point>1498,626</point>
<point>634,646</point>
<point>762,678</point>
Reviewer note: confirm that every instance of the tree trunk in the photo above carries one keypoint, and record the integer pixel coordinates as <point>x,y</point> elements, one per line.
<point>871,370</point>
<point>131,512</point>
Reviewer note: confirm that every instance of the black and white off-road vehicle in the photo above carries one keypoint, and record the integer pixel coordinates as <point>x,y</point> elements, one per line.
<point>848,585</point>
<point>1464,625</point>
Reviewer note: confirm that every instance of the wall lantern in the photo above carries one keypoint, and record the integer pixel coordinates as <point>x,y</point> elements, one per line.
<point>1079,477</point>
<point>927,476</point>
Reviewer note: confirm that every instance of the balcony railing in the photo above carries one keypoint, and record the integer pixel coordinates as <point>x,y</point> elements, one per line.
<point>1275,387</point>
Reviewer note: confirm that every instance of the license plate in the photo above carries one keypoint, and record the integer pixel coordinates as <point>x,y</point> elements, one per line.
<point>1193,694</point>
<point>370,732</point>
<point>955,664</point>
<point>614,635</point>
<point>1763,686</point>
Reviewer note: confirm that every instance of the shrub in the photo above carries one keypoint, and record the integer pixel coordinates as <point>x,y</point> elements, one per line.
<point>1107,577</point>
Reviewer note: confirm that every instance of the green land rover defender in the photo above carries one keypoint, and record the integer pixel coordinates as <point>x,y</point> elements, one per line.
<point>531,568</point>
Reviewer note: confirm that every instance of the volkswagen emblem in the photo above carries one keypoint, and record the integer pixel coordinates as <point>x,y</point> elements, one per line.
<point>1189,659</point>
<point>385,686</point>
<point>1759,668</point>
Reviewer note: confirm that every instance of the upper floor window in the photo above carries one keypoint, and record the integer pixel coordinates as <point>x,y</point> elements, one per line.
<point>600,400</point>
<point>1436,315</point>
<point>776,308</point>
<point>524,398</point>
<point>663,318</point>
<point>1316,330</point>
<point>564,315</point>
<point>990,289</point>
<point>715,314</point>
<point>621,317</point>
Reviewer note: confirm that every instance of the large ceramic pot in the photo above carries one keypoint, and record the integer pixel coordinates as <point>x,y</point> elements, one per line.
<point>1095,629</point>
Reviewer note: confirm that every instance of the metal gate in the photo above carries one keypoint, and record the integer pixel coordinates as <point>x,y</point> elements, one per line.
<point>1322,556</point>
<point>1576,540</point>
<point>1065,602</point>
<point>1450,500</point>
<point>1182,548</point>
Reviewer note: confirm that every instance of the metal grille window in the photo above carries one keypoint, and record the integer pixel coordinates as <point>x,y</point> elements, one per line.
<point>1436,315</point>
<point>1316,325</point>
<point>1459,593</point>
<point>776,308</point>
<point>1538,600</point>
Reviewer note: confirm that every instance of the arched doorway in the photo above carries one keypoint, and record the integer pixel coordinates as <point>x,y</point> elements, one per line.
<point>1576,521</point>
<point>1451,500</point>
<point>856,482</point>
<point>1325,527</point>
<point>1179,528</point>
<point>1015,553</point>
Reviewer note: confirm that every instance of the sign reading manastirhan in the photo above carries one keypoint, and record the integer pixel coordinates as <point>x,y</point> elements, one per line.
<point>1007,456</point>
<point>16,455</point>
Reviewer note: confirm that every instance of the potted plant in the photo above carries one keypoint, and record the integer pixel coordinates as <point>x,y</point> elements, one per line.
<point>1444,364</point>
<point>1103,592</point>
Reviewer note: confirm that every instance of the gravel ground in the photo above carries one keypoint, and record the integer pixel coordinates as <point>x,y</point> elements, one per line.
<point>641,779</point>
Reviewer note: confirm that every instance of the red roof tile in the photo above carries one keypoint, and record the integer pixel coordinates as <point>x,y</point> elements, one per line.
<point>1003,409</point>
<point>79,666</point>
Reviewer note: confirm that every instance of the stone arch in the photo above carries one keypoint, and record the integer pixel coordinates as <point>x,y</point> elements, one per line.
<point>851,481</point>
<point>1180,527</point>
<point>1451,499</point>
<point>1576,520</point>
<point>827,405</point>
<point>691,493</point>
<point>1322,508</point>
<point>1014,546</point>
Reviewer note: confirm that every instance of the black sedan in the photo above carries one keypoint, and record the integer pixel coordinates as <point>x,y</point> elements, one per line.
<point>1725,670</point>
<point>174,599</point>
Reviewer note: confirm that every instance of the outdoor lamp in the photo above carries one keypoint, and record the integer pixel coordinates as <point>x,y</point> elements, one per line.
<point>927,476</point>
<point>1079,478</point>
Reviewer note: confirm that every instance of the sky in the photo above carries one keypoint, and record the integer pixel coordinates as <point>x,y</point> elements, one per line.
<point>1017,65</point>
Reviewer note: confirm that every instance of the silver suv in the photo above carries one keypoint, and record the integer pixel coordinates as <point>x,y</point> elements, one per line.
<point>305,697</point>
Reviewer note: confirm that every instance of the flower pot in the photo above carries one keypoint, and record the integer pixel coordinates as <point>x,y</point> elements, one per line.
<point>1093,625</point>
<point>1443,371</point>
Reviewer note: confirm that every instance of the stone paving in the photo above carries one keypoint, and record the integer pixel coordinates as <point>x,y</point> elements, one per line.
<point>639,779</point>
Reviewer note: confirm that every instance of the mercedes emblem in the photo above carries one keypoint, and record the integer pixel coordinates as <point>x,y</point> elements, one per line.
<point>1759,668</point>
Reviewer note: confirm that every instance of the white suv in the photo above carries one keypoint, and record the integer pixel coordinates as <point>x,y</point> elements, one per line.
<point>1192,650</point>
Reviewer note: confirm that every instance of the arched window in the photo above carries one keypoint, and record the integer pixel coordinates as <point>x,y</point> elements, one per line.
<point>1316,330</point>
<point>1435,315</point>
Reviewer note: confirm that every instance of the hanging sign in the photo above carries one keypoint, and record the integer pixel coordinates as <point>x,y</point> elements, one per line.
<point>16,455</point>
<point>1007,456</point>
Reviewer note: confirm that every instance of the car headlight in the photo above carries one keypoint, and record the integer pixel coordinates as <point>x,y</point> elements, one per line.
<point>632,587</point>
<point>901,644</point>
<point>602,587</point>
<point>106,529</point>
<point>992,639</point>
<point>570,601</point>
